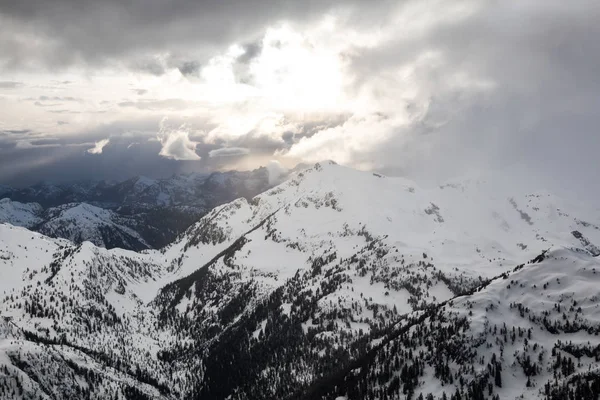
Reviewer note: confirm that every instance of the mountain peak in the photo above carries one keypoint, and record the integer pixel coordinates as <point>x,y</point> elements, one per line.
<point>145,181</point>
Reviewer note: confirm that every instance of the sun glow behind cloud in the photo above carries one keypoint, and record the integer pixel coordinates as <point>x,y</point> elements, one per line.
<point>410,87</point>
<point>293,76</point>
<point>297,73</point>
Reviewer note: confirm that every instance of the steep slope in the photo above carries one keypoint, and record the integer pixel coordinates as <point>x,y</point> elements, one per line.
<point>531,333</point>
<point>468,231</point>
<point>124,228</point>
<point>318,265</point>
<point>156,209</point>
<point>19,214</point>
<point>83,222</point>
<point>334,283</point>
<point>71,327</point>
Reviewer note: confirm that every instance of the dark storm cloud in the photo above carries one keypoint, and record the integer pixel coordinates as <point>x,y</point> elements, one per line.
<point>29,158</point>
<point>241,66</point>
<point>150,66</point>
<point>46,142</point>
<point>128,154</point>
<point>160,65</point>
<point>90,31</point>
<point>251,51</point>
<point>188,68</point>
<point>514,81</point>
<point>70,163</point>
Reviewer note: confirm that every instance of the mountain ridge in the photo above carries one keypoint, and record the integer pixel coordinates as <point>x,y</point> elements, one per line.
<point>138,213</point>
<point>179,189</point>
<point>263,298</point>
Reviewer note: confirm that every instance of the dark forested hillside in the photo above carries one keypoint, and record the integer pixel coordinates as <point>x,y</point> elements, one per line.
<point>136,214</point>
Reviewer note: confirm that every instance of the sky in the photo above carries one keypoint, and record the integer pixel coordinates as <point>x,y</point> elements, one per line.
<point>428,89</point>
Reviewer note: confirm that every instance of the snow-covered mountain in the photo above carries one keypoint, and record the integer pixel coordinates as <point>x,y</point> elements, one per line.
<point>335,284</point>
<point>19,214</point>
<point>135,214</point>
<point>78,222</point>
<point>192,190</point>
<point>83,222</point>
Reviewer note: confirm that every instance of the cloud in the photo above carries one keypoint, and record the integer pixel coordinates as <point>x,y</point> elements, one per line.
<point>276,172</point>
<point>99,146</point>
<point>152,66</point>
<point>242,65</point>
<point>58,98</point>
<point>427,89</point>
<point>469,86</point>
<point>148,104</point>
<point>189,68</point>
<point>24,144</point>
<point>40,104</point>
<point>15,131</point>
<point>346,143</point>
<point>64,111</point>
<point>229,152</point>
<point>176,143</point>
<point>64,33</point>
<point>10,85</point>
<point>242,128</point>
<point>63,157</point>
<point>31,144</point>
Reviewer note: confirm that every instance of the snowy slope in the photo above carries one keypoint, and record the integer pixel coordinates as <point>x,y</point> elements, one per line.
<point>156,209</point>
<point>343,254</point>
<point>532,333</point>
<point>466,230</point>
<point>79,222</point>
<point>70,323</point>
<point>19,214</point>
<point>279,296</point>
<point>84,222</point>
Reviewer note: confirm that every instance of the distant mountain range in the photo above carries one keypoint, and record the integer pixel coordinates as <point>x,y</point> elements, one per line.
<point>336,284</point>
<point>139,213</point>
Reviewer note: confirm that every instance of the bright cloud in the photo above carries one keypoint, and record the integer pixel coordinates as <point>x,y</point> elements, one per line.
<point>176,143</point>
<point>229,152</point>
<point>99,146</point>
<point>276,171</point>
<point>423,88</point>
